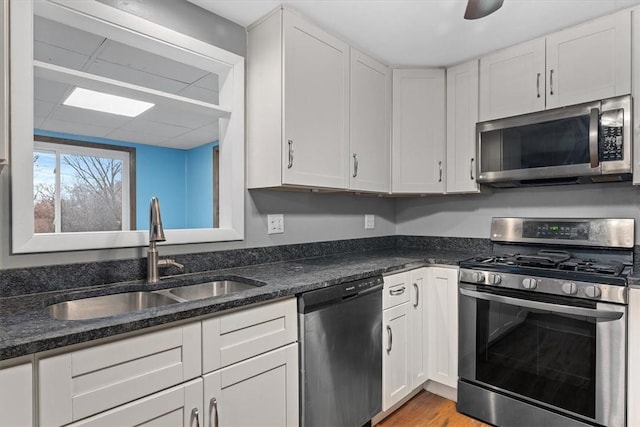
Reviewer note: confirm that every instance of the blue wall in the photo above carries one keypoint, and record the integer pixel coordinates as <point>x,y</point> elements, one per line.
<point>179,178</point>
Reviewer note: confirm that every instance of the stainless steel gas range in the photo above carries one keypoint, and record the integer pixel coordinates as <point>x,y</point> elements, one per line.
<point>542,323</point>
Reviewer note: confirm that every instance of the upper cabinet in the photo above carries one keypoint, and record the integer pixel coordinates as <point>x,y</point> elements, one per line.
<point>462,115</point>
<point>636,96</point>
<point>298,105</point>
<point>370,130</point>
<point>418,139</point>
<point>583,63</point>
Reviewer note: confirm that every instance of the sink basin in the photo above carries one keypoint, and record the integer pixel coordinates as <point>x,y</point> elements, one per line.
<point>210,289</point>
<point>108,305</point>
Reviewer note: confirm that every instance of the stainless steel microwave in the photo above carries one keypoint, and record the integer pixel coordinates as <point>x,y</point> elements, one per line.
<point>584,143</point>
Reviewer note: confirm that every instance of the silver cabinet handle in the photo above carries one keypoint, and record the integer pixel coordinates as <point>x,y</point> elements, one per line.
<point>550,82</point>
<point>355,165</point>
<point>390,340</point>
<point>290,165</point>
<point>538,84</point>
<point>213,404</point>
<point>397,291</point>
<point>440,173</point>
<point>594,122</point>
<point>415,285</point>
<point>471,169</point>
<point>195,414</point>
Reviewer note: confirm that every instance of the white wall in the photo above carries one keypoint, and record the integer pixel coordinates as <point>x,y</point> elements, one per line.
<point>470,215</point>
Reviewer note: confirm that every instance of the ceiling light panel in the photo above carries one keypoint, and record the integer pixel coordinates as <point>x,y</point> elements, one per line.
<point>106,103</point>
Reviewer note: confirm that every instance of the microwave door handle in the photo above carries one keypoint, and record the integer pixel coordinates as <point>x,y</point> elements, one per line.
<point>556,308</point>
<point>594,123</point>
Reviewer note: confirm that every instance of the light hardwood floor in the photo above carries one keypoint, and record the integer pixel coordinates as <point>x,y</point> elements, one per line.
<point>428,409</point>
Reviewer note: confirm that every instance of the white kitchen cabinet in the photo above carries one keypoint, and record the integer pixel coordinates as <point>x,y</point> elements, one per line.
<point>633,355</point>
<point>177,406</point>
<point>298,105</point>
<point>396,382</point>
<point>262,391</point>
<point>418,141</point>
<point>442,307</point>
<point>589,61</point>
<point>584,63</point>
<point>418,342</point>
<point>85,382</point>
<point>16,395</point>
<point>462,115</point>
<point>370,122</point>
<point>4,84</point>
<point>636,96</point>
<point>512,80</point>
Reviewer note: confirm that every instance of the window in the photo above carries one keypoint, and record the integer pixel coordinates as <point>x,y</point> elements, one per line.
<point>80,186</point>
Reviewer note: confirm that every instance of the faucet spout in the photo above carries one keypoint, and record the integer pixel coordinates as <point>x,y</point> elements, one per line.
<point>156,232</point>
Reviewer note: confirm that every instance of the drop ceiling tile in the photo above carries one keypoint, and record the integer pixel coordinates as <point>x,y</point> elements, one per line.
<point>136,77</point>
<point>57,56</point>
<point>42,109</point>
<point>83,116</point>
<point>71,39</point>
<point>136,137</point>
<point>200,94</point>
<point>49,91</point>
<point>175,116</point>
<point>81,129</point>
<point>159,130</point>
<point>209,82</point>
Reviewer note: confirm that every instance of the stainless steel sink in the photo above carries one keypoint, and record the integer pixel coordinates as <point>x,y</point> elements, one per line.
<point>210,289</point>
<point>108,305</point>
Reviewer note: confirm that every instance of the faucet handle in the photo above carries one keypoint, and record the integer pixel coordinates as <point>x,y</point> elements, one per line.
<point>168,262</point>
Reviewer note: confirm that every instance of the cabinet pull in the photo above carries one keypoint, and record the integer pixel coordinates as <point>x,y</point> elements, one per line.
<point>550,82</point>
<point>440,172</point>
<point>537,85</point>
<point>471,169</point>
<point>195,414</point>
<point>290,165</point>
<point>415,285</point>
<point>213,404</point>
<point>397,291</point>
<point>355,165</point>
<point>390,340</point>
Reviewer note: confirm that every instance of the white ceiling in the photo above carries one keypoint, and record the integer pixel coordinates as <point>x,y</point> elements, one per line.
<point>426,33</point>
<point>162,125</point>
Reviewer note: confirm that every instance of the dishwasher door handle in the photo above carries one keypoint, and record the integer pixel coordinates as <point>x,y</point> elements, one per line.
<point>390,339</point>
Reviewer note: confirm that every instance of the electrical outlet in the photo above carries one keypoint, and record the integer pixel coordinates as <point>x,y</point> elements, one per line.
<point>369,222</point>
<point>275,224</point>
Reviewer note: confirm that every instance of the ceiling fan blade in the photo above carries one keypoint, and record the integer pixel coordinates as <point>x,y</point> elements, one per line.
<point>480,8</point>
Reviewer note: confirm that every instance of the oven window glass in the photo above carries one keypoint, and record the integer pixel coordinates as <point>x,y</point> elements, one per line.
<point>537,354</point>
<point>556,143</point>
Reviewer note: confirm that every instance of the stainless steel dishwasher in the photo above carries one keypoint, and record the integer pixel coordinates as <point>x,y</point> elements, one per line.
<point>341,354</point>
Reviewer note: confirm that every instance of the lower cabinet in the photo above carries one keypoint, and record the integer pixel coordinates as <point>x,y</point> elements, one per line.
<point>633,355</point>
<point>420,331</point>
<point>202,373</point>
<point>262,391</point>
<point>16,395</point>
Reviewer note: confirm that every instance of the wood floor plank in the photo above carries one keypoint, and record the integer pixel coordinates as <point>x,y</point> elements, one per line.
<point>428,409</point>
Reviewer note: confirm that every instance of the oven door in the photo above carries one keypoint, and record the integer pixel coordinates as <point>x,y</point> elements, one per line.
<point>566,358</point>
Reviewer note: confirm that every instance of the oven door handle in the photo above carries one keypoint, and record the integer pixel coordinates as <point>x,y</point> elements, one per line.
<point>556,308</point>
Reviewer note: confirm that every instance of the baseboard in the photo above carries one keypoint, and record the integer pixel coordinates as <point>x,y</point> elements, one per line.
<point>445,391</point>
<point>384,414</point>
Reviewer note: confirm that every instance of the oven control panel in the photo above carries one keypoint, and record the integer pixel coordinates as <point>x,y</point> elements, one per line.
<point>555,230</point>
<point>586,290</point>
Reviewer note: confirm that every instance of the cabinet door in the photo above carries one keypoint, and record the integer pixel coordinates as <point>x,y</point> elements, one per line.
<point>16,396</point>
<point>462,115</point>
<point>262,391</point>
<point>633,387</point>
<point>316,106</point>
<point>589,61</point>
<point>443,325</point>
<point>418,345</point>
<point>636,96</point>
<point>85,382</point>
<point>512,81</point>
<point>177,406</point>
<point>418,131</point>
<point>370,137</point>
<point>396,383</point>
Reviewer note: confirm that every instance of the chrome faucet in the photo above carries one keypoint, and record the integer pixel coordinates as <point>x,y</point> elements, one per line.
<point>156,234</point>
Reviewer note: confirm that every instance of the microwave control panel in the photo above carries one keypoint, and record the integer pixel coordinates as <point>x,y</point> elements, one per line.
<point>611,143</point>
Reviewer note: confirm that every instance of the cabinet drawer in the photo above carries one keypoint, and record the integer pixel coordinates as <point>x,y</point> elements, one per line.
<point>82,383</point>
<point>396,290</point>
<point>233,337</point>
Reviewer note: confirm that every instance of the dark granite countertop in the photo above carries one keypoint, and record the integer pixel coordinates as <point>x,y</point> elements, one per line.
<point>26,326</point>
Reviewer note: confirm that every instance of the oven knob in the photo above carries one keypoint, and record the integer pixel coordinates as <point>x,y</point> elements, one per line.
<point>569,288</point>
<point>593,292</point>
<point>478,277</point>
<point>529,283</point>
<point>495,279</point>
